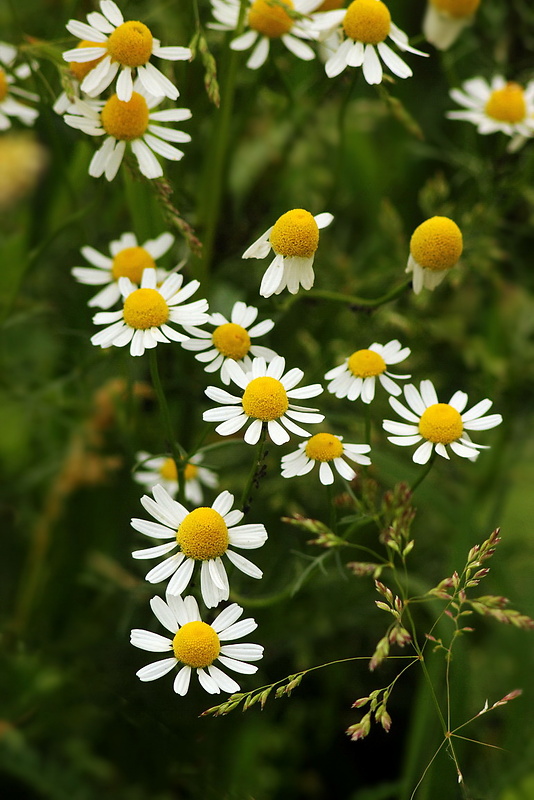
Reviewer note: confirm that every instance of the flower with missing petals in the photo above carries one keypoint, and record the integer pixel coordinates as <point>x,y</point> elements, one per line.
<point>356,377</point>
<point>435,248</point>
<point>325,449</point>
<point>445,20</point>
<point>162,470</point>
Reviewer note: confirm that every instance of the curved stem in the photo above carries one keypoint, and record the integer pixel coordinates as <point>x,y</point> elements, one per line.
<point>425,472</point>
<point>350,300</point>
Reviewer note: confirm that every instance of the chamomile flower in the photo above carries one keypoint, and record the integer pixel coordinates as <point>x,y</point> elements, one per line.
<point>131,122</point>
<point>196,646</point>
<point>435,247</point>
<point>294,238</point>
<point>124,48</point>
<point>438,425</point>
<point>162,470</point>
<point>325,449</point>
<point>10,106</point>
<point>445,20</point>
<point>366,24</point>
<point>356,376</point>
<point>265,402</point>
<point>77,70</point>
<point>204,535</point>
<point>231,340</point>
<point>144,319</point>
<point>128,260</point>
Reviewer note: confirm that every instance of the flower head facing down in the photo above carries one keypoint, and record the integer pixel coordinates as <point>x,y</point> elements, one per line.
<point>196,646</point>
<point>10,106</point>
<point>445,20</point>
<point>326,450</point>
<point>438,425</point>
<point>203,535</point>
<point>435,247</point>
<point>162,470</point>
<point>356,377</point>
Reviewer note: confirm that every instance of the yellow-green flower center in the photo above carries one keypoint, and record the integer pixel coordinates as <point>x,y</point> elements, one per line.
<point>270,19</point>
<point>367,21</point>
<point>82,68</point>
<point>203,535</point>
<point>295,233</point>
<point>507,104</point>
<point>366,364</point>
<point>130,44</point>
<point>265,399</point>
<point>3,85</point>
<point>231,340</point>
<point>457,8</point>
<point>437,244</point>
<point>196,644</point>
<point>145,308</point>
<point>324,447</point>
<point>441,423</point>
<point>130,263</point>
<point>125,121</point>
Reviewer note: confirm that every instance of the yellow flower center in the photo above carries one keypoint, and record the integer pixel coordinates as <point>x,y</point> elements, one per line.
<point>324,447</point>
<point>130,263</point>
<point>125,121</point>
<point>367,21</point>
<point>265,399</point>
<point>329,5</point>
<point>82,68</point>
<point>270,18</point>
<point>437,244</point>
<point>508,104</point>
<point>231,340</point>
<point>169,473</point>
<point>3,85</point>
<point>190,472</point>
<point>203,535</point>
<point>145,308</point>
<point>196,644</point>
<point>441,423</point>
<point>457,8</point>
<point>295,233</point>
<point>130,44</point>
<point>366,364</point>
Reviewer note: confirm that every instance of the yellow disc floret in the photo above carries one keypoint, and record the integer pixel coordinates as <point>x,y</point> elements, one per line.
<point>366,364</point>
<point>507,104</point>
<point>196,644</point>
<point>130,44</point>
<point>231,340</point>
<point>168,470</point>
<point>441,423</point>
<point>125,121</point>
<point>130,263</point>
<point>82,68</point>
<point>203,535</point>
<point>145,308</point>
<point>457,8</point>
<point>324,447</point>
<point>295,233</point>
<point>270,19</point>
<point>265,399</point>
<point>367,21</point>
<point>437,244</point>
<point>3,85</point>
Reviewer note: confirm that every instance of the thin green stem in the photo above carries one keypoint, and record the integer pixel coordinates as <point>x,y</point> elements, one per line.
<point>176,451</point>
<point>350,300</point>
<point>425,472</point>
<point>257,471</point>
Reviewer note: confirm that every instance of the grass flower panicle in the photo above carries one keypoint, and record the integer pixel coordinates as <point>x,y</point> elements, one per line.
<point>444,20</point>
<point>435,247</point>
<point>162,470</point>
<point>356,377</point>
<point>10,106</point>
<point>326,450</point>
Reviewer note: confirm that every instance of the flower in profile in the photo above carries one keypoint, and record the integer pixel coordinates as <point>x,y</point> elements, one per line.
<point>10,106</point>
<point>128,260</point>
<point>121,47</point>
<point>265,402</point>
<point>445,20</point>
<point>197,646</point>
<point>325,449</point>
<point>131,122</point>
<point>356,377</point>
<point>435,247</point>
<point>162,470</point>
<point>204,535</point>
<point>438,425</point>
<point>144,319</point>
<point>230,341</point>
<point>294,238</point>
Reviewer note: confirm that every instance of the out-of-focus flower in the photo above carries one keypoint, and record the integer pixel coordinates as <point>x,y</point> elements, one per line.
<point>22,160</point>
<point>356,377</point>
<point>10,106</point>
<point>325,449</point>
<point>435,248</point>
<point>162,470</point>
<point>445,20</point>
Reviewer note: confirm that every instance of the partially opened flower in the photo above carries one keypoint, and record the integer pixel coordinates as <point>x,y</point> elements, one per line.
<point>356,377</point>
<point>265,402</point>
<point>294,238</point>
<point>128,260</point>
<point>196,646</point>
<point>445,20</point>
<point>325,449</point>
<point>435,247</point>
<point>10,105</point>
<point>230,341</point>
<point>124,48</point>
<point>438,425</point>
<point>162,470</point>
<point>201,536</point>
<point>144,319</point>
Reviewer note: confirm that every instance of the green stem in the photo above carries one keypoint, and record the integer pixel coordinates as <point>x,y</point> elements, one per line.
<point>350,300</point>
<point>425,472</point>
<point>256,473</point>
<point>175,449</point>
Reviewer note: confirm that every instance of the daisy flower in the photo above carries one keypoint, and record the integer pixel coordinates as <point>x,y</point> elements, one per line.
<point>366,24</point>
<point>294,238</point>
<point>435,247</point>
<point>9,91</point>
<point>445,20</point>
<point>124,48</point>
<point>143,320</point>
<point>162,470</point>
<point>195,645</point>
<point>324,449</point>
<point>131,122</point>
<point>230,341</point>
<point>128,260</point>
<point>77,70</point>
<point>204,535</point>
<point>356,377</point>
<point>438,424</point>
<point>265,402</point>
